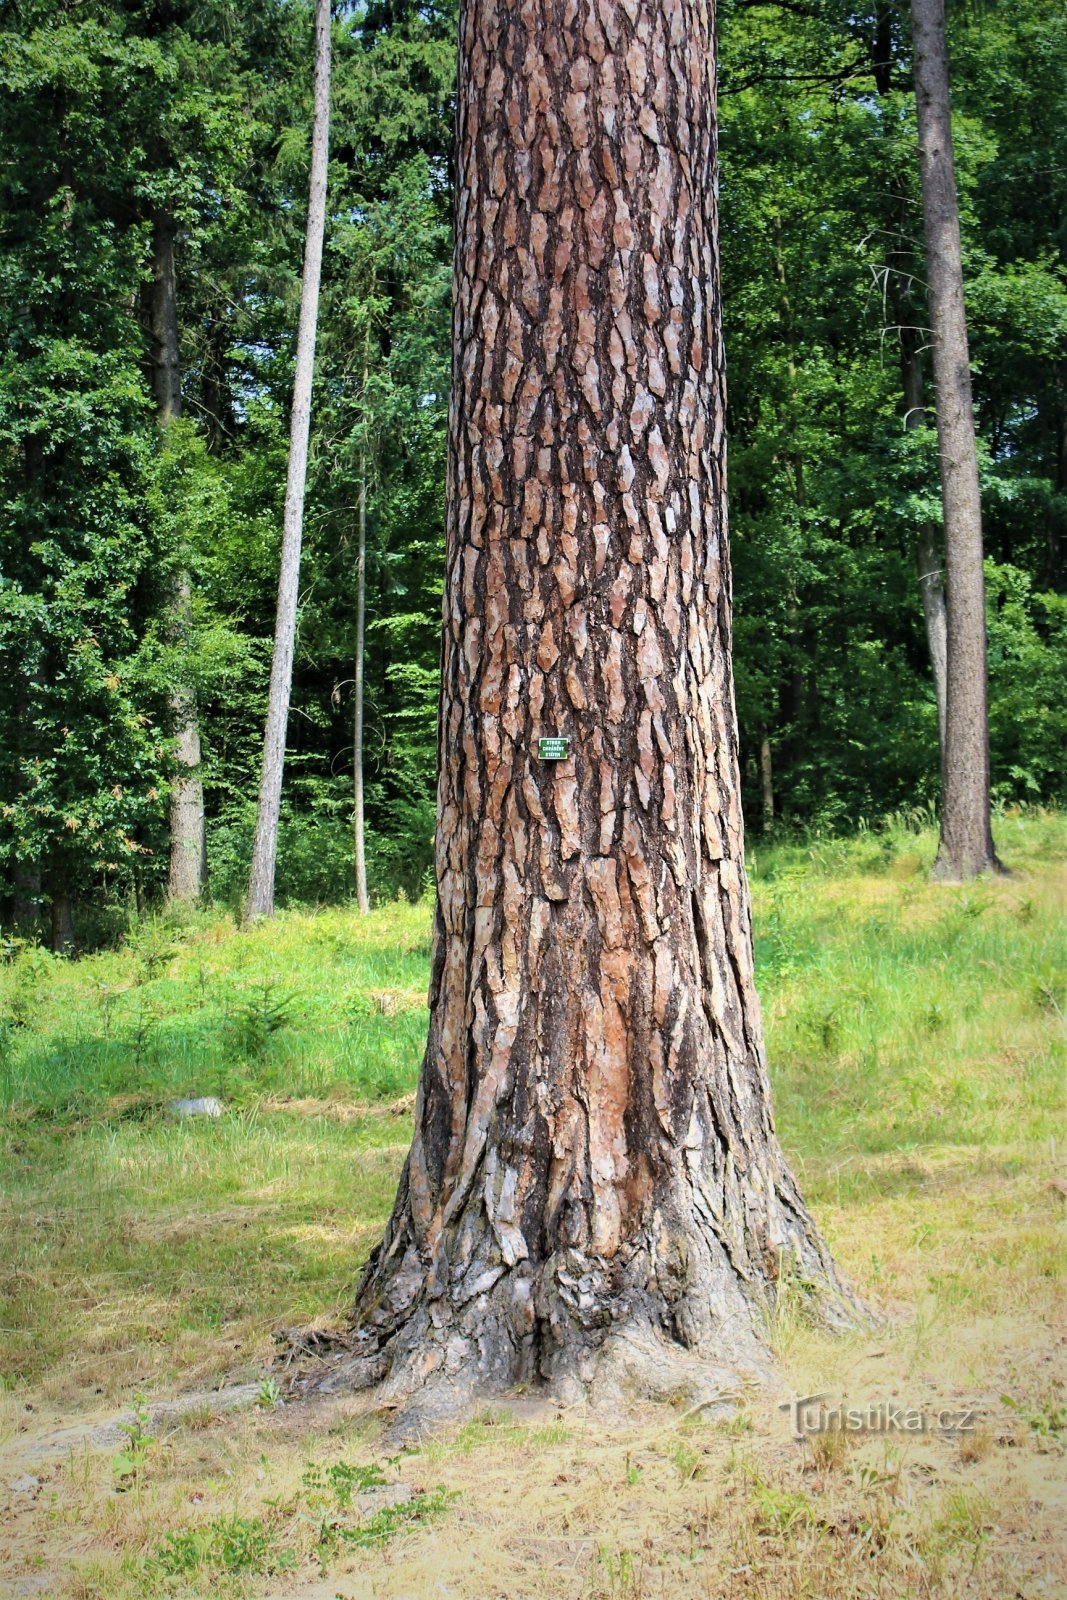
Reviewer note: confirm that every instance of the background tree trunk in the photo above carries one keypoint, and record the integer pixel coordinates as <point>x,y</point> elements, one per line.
<point>595,1191</point>
<point>265,844</point>
<point>966,844</point>
<point>163,321</point>
<point>766,775</point>
<point>929,557</point>
<point>26,894</point>
<point>362,899</point>
<point>187,871</point>
<point>187,868</point>
<point>62,912</point>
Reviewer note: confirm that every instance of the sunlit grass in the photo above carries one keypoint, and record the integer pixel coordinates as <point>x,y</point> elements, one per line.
<point>916,1043</point>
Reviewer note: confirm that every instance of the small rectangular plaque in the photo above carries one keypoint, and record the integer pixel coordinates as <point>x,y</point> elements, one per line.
<point>553,749</point>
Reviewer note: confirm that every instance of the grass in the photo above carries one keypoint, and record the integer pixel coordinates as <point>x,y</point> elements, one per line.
<point>916,1039</point>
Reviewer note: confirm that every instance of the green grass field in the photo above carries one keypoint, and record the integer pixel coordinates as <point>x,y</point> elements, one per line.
<point>917,1048</point>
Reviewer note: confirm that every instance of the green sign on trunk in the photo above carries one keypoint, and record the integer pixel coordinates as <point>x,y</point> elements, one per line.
<point>553,749</point>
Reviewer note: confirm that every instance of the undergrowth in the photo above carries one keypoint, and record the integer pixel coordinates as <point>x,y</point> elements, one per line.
<point>916,1047</point>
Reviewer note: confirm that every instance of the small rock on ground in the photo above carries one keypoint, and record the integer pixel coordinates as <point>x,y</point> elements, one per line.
<point>205,1106</point>
<point>26,1483</point>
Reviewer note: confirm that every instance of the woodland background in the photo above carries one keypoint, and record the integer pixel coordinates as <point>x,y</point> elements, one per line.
<point>110,111</point>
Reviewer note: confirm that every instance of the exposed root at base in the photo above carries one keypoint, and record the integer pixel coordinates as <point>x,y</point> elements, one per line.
<point>633,1365</point>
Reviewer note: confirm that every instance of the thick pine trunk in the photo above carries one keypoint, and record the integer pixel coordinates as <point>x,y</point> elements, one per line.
<point>595,1188</point>
<point>187,872</point>
<point>929,557</point>
<point>359,839</point>
<point>966,844</point>
<point>260,901</point>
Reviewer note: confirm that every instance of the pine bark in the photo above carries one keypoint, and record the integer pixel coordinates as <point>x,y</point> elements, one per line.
<point>595,1195</point>
<point>260,900</point>
<point>966,843</point>
<point>187,867</point>
<point>358,829</point>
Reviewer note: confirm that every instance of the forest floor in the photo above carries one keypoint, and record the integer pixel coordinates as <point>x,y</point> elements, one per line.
<point>917,1048</point>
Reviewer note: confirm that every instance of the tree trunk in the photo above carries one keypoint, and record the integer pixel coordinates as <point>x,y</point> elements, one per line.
<point>62,915</point>
<point>595,1194</point>
<point>26,895</point>
<point>187,873</point>
<point>766,776</point>
<point>966,845</point>
<point>359,841</point>
<point>928,552</point>
<point>265,844</point>
<point>163,321</point>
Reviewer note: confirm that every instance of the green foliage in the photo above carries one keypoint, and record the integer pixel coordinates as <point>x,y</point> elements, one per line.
<point>1027,661</point>
<point>823,298</point>
<point>199,112</point>
<point>230,1544</point>
<point>255,1021</point>
<point>128,1466</point>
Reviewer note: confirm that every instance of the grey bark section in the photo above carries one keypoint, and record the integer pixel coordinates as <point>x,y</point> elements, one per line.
<point>966,844</point>
<point>595,1198</point>
<point>265,844</point>
<point>929,556</point>
<point>359,839</point>
<point>187,868</point>
<point>766,777</point>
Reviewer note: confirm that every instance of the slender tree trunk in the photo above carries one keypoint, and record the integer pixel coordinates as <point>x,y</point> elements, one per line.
<point>26,875</point>
<point>966,845</point>
<point>929,556</point>
<point>595,1195</point>
<point>362,899</point>
<point>187,874</point>
<point>62,914</point>
<point>188,844</point>
<point>265,845</point>
<point>163,321</point>
<point>766,775</point>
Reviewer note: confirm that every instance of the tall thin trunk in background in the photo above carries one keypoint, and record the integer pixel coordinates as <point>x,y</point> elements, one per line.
<point>265,844</point>
<point>359,841</point>
<point>966,845</point>
<point>187,872</point>
<point>929,555</point>
<point>766,776</point>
